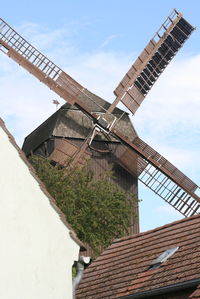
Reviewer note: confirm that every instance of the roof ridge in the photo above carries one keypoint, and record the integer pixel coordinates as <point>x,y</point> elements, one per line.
<point>159,228</point>
<point>141,253</point>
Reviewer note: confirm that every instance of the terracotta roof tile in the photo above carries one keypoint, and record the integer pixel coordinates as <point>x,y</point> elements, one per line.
<point>123,268</point>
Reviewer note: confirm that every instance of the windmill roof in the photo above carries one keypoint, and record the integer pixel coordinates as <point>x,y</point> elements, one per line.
<point>123,269</point>
<point>96,103</point>
<point>70,122</point>
<point>41,185</point>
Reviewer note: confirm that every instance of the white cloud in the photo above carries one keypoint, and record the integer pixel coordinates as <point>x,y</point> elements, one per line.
<point>99,71</point>
<point>107,41</point>
<point>25,103</point>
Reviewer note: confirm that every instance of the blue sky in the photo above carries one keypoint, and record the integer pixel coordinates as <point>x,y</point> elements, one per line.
<point>96,42</point>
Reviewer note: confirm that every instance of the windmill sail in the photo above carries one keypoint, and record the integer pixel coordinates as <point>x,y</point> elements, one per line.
<point>140,78</point>
<point>26,55</point>
<point>162,177</point>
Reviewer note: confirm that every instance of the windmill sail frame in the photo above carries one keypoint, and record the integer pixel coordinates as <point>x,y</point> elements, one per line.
<point>150,64</point>
<point>163,178</point>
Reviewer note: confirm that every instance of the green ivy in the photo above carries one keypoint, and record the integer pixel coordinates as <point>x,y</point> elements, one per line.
<point>97,209</point>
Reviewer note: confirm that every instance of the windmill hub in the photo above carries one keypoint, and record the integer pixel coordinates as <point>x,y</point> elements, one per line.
<point>103,123</point>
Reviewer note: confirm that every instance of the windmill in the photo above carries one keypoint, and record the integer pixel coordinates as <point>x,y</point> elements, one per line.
<point>151,168</point>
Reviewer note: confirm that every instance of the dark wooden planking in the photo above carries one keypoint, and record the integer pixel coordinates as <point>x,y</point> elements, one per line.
<point>64,151</point>
<point>131,161</point>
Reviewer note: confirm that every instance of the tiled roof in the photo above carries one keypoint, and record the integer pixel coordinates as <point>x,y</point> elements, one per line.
<point>41,185</point>
<point>123,268</point>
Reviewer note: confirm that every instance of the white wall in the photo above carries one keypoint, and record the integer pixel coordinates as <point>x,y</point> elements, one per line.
<point>36,252</point>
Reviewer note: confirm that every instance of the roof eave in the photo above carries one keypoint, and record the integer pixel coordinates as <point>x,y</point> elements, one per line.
<point>164,290</point>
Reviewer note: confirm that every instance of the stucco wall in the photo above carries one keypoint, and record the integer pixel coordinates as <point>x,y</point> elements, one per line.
<point>36,252</point>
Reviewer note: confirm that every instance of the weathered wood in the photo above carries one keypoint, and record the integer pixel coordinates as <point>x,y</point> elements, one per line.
<point>135,85</point>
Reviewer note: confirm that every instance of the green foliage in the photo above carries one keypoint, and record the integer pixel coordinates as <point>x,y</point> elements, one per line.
<point>73,272</point>
<point>97,209</point>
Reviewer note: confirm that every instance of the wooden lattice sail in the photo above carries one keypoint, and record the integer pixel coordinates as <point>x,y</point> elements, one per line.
<point>155,57</point>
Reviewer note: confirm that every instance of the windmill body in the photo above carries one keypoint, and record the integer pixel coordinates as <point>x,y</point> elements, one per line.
<point>135,155</point>
<point>61,136</point>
